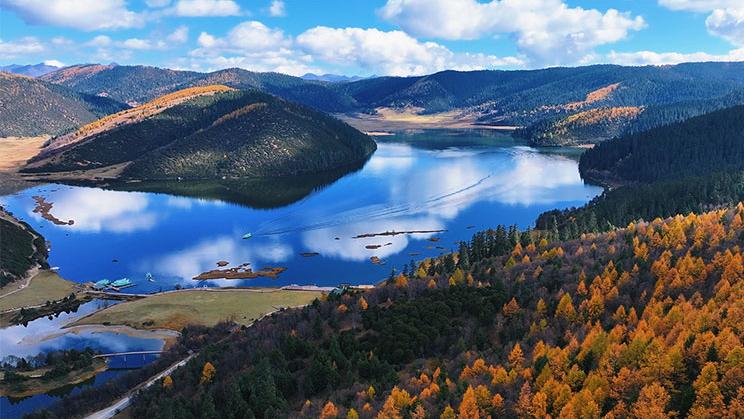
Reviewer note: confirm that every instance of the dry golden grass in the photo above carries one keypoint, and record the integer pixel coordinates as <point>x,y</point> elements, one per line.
<point>593,116</point>
<point>15,151</point>
<point>206,307</point>
<point>45,286</point>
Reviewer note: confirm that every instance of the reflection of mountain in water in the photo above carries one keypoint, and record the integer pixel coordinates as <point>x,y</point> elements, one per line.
<point>261,193</point>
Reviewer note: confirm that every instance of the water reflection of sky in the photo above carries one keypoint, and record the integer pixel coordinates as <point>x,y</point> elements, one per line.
<point>402,187</point>
<point>44,335</point>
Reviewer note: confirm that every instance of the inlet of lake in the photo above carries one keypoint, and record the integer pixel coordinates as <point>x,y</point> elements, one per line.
<point>451,182</point>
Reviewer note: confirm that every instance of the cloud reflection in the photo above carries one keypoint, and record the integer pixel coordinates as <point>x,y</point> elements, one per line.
<point>97,210</point>
<point>203,256</point>
<point>434,187</point>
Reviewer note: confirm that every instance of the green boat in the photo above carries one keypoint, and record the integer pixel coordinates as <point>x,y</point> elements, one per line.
<point>102,284</point>
<point>247,236</point>
<point>122,283</point>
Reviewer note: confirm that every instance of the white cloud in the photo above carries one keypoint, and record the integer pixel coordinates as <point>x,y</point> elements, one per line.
<point>547,31</point>
<point>196,8</point>
<point>19,47</point>
<point>669,58</point>
<point>390,52</point>
<point>728,24</point>
<point>54,63</point>
<point>277,8</point>
<point>726,19</point>
<point>87,15</point>
<point>62,41</point>
<point>100,41</point>
<point>206,40</point>
<point>137,43</point>
<point>180,35</point>
<point>255,36</point>
<point>253,46</point>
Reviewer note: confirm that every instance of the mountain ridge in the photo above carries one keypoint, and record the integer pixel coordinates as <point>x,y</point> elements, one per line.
<point>538,100</point>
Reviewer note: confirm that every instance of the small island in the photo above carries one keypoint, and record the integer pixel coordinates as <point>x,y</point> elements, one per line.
<point>23,377</point>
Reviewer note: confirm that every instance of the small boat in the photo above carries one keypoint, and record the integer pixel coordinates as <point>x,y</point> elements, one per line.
<point>121,283</point>
<point>149,277</point>
<point>247,236</point>
<point>101,285</point>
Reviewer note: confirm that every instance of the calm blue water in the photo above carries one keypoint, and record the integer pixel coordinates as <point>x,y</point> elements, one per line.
<point>16,408</point>
<point>44,335</point>
<point>428,181</point>
<point>435,180</point>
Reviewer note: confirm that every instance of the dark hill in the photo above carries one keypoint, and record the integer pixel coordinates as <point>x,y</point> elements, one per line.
<point>709,143</point>
<point>226,134</point>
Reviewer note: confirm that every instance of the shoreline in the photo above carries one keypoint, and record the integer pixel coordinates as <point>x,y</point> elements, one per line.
<point>40,386</point>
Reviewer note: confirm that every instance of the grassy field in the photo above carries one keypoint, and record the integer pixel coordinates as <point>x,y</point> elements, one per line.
<point>45,286</point>
<point>204,307</point>
<point>14,151</point>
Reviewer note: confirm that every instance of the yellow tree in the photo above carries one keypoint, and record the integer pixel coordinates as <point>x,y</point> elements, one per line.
<point>329,411</point>
<point>469,405</point>
<point>511,308</point>
<point>352,414</point>
<point>167,382</point>
<point>652,402</point>
<point>208,373</point>
<point>363,304</point>
<point>448,413</point>
<point>516,358</point>
<point>565,308</point>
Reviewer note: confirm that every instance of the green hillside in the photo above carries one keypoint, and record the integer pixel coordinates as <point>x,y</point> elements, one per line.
<point>690,166</point>
<point>232,134</point>
<point>21,248</point>
<point>30,107</point>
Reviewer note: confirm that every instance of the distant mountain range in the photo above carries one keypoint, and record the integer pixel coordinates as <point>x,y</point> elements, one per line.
<point>556,106</point>
<point>31,70</point>
<point>207,132</point>
<point>332,78</point>
<point>30,107</point>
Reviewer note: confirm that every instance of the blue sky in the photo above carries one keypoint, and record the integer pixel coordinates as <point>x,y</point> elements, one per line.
<point>383,37</point>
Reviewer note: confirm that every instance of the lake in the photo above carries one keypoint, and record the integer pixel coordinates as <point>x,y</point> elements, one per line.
<point>455,181</point>
<point>458,182</point>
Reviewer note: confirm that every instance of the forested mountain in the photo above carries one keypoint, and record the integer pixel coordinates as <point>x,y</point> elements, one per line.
<point>690,166</point>
<point>639,322</point>
<point>556,106</point>
<point>704,144</point>
<point>30,70</point>
<point>209,132</point>
<point>30,107</point>
<point>21,248</point>
<point>139,84</point>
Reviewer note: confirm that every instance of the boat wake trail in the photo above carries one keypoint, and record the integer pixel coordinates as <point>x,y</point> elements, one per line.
<point>374,212</point>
